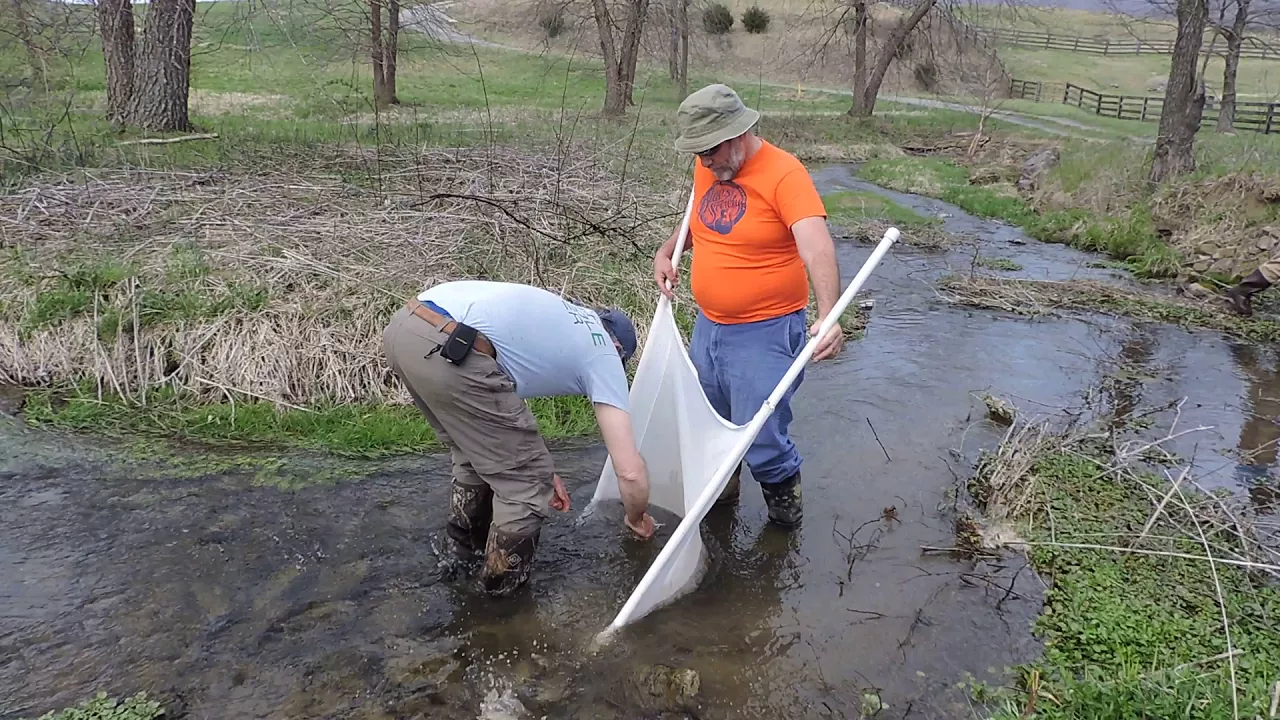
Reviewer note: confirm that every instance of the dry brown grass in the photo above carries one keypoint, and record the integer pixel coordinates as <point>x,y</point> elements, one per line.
<point>1038,297</point>
<point>277,281</point>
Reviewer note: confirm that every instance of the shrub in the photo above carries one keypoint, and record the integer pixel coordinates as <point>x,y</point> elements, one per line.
<point>552,21</point>
<point>755,20</point>
<point>716,19</point>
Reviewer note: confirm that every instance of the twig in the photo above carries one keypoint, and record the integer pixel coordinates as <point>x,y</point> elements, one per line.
<point>1222,605</point>
<point>251,394</point>
<point>166,141</point>
<point>1163,553</point>
<point>1275,700</point>
<point>1159,508</point>
<point>877,436</point>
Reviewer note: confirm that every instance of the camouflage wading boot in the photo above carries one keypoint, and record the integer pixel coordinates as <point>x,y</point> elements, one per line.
<point>731,489</point>
<point>784,500</point>
<point>1240,299</point>
<point>508,561</point>
<point>470,511</point>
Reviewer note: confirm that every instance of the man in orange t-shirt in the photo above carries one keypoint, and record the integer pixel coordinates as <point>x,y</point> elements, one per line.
<point>758,225</point>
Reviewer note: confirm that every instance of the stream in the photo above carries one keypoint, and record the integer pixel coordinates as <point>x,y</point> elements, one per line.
<point>239,599</point>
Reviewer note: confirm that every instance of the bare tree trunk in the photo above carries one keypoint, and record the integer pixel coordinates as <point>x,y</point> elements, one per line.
<point>859,60</point>
<point>391,52</point>
<point>28,42</point>
<point>614,102</point>
<point>886,56</point>
<point>673,55</point>
<point>637,9</point>
<point>162,73</point>
<point>115,23</point>
<point>376,54</point>
<point>1235,39</point>
<point>1183,97</point>
<point>619,63</point>
<point>682,19</point>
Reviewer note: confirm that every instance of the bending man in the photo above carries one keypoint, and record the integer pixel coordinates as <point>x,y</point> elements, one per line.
<point>758,225</point>
<point>469,352</point>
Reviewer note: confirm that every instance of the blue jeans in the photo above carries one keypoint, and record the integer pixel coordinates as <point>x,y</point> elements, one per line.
<point>738,366</point>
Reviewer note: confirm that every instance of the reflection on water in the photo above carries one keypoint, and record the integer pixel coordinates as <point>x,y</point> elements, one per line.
<point>338,600</point>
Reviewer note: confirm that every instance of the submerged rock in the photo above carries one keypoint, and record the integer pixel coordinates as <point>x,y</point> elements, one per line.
<point>1000,410</point>
<point>665,689</point>
<point>502,705</point>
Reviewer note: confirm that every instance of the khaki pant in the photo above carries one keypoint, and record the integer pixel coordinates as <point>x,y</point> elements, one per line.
<point>475,411</point>
<point>1271,270</point>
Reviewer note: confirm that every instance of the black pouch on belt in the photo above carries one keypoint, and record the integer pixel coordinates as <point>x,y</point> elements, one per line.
<point>459,343</point>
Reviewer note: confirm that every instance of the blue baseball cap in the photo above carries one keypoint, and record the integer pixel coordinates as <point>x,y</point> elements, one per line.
<point>622,329</point>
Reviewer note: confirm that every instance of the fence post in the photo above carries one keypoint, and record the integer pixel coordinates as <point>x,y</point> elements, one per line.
<point>1271,116</point>
<point>1066,92</point>
<point>1098,109</point>
<point>1144,108</point>
<point>1039,88</point>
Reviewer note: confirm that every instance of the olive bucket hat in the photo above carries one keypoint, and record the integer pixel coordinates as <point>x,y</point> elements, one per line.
<point>710,116</point>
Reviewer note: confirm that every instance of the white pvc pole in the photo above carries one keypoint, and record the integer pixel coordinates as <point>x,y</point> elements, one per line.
<point>712,491</point>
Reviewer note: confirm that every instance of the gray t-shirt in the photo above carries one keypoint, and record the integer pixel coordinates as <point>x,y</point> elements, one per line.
<point>547,345</point>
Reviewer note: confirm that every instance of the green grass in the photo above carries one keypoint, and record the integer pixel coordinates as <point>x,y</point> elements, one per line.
<point>856,206</point>
<point>349,430</point>
<point>1127,635</point>
<point>1131,238</point>
<point>102,707</point>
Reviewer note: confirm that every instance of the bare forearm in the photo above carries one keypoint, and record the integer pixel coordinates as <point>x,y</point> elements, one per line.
<point>668,248</point>
<point>633,486</point>
<point>818,252</point>
<point>824,273</point>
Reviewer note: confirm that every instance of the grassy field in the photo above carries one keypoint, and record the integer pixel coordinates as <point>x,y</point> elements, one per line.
<point>1256,81</point>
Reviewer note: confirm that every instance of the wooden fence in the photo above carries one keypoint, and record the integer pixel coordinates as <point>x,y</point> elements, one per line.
<point>1256,116</point>
<point>1105,46</point>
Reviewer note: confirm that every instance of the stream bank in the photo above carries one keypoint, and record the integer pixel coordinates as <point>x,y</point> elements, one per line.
<point>235,597</point>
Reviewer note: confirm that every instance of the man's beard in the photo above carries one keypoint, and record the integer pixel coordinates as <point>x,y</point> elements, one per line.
<point>736,157</point>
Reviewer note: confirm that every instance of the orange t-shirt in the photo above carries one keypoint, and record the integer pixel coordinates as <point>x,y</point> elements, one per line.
<point>746,266</point>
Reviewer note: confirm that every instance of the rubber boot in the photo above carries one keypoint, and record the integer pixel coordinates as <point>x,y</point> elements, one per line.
<point>470,511</point>
<point>731,489</point>
<point>508,561</point>
<point>784,501</point>
<point>1239,297</point>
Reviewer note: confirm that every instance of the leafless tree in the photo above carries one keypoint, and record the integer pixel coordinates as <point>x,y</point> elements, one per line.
<point>115,24</point>
<point>1234,35</point>
<point>384,50</point>
<point>620,54</point>
<point>866,88</point>
<point>1184,97</point>
<point>678,58</point>
<point>162,69</point>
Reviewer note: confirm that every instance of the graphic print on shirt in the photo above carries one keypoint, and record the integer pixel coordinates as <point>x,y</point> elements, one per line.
<point>582,316</point>
<point>723,206</point>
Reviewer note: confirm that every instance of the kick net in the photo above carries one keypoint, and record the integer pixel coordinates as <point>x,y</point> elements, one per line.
<point>689,449</point>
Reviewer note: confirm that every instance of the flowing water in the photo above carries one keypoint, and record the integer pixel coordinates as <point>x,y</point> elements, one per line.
<point>239,599</point>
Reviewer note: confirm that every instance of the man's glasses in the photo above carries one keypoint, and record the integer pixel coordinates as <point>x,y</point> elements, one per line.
<point>705,154</point>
